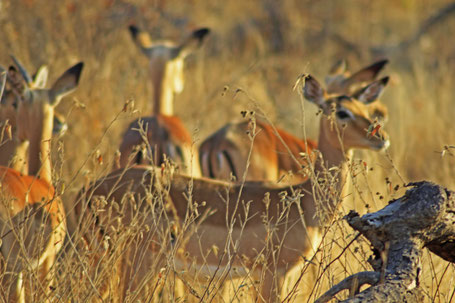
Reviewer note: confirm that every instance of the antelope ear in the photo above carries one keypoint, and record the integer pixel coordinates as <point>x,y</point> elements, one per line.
<point>372,91</point>
<point>22,70</point>
<point>16,81</point>
<point>141,38</point>
<point>313,91</point>
<point>366,74</point>
<point>66,83</point>
<point>40,77</point>
<point>339,67</point>
<point>3,76</point>
<point>334,81</point>
<point>194,41</point>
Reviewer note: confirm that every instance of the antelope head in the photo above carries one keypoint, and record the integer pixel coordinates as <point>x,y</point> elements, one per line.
<point>35,115</point>
<point>347,122</point>
<point>166,64</point>
<point>341,81</point>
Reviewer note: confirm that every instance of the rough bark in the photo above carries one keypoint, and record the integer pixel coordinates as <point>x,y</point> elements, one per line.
<point>423,217</point>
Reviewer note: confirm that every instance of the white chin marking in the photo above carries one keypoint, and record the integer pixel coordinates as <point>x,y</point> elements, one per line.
<point>386,145</point>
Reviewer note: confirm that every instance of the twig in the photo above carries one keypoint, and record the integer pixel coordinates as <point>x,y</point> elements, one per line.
<point>352,282</point>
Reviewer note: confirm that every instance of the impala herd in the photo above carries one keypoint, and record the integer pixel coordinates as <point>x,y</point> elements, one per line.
<point>222,212</point>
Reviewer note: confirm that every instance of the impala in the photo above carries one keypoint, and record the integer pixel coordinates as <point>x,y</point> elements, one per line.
<point>259,151</point>
<point>163,133</point>
<point>219,229</point>
<point>12,153</point>
<point>256,147</point>
<point>32,218</point>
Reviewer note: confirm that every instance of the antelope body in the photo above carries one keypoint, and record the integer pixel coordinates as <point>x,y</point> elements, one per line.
<point>219,229</point>
<point>269,154</point>
<point>32,218</point>
<point>163,133</point>
<point>274,153</point>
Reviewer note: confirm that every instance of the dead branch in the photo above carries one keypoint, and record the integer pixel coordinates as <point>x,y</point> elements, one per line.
<point>352,283</point>
<point>423,217</point>
<point>386,50</point>
<point>440,16</point>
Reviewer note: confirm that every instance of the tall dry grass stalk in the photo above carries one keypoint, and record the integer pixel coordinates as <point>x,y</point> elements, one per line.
<point>259,47</point>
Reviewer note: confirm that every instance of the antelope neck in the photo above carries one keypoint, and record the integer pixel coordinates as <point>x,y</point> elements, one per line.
<point>40,146</point>
<point>332,156</point>
<point>163,95</point>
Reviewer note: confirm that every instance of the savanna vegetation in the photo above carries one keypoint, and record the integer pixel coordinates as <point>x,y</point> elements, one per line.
<point>250,62</point>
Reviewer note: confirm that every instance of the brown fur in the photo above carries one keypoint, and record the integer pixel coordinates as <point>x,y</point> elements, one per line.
<point>28,202</point>
<point>243,221</point>
<point>227,151</point>
<point>13,153</point>
<point>341,81</point>
<point>166,133</point>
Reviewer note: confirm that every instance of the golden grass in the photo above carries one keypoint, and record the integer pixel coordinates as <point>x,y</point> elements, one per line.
<point>261,47</point>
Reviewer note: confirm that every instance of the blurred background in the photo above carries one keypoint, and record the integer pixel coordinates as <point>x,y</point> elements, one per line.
<point>251,59</point>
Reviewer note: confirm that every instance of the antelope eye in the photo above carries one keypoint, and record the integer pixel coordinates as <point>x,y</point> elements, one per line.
<point>344,98</point>
<point>341,114</point>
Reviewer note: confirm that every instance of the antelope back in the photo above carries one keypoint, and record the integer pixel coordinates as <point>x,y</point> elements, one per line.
<point>156,140</point>
<point>256,148</point>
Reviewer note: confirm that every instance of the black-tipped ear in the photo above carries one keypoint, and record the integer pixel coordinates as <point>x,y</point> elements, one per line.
<point>378,66</point>
<point>367,74</point>
<point>372,91</point>
<point>134,31</point>
<point>374,68</point>
<point>140,37</point>
<point>201,33</point>
<point>76,70</point>
<point>66,83</point>
<point>193,41</point>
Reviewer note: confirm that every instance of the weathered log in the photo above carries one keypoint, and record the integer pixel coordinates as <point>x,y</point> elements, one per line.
<point>423,217</point>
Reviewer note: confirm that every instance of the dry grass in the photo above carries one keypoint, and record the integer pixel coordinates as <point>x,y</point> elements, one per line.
<point>260,47</point>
